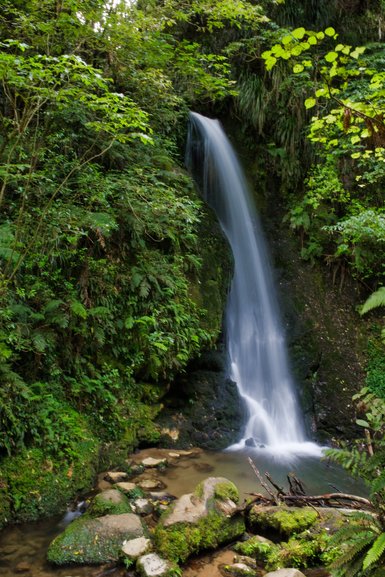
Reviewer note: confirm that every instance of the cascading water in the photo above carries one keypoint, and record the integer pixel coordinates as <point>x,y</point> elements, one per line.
<point>255,339</point>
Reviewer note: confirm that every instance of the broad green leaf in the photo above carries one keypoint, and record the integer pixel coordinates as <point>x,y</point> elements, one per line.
<point>331,56</point>
<point>362,423</point>
<point>312,40</point>
<point>298,68</point>
<point>330,31</point>
<point>355,139</point>
<point>299,33</point>
<point>310,102</point>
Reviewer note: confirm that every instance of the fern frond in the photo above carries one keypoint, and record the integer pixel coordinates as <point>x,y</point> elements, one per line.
<point>375,552</point>
<point>351,553</point>
<point>350,532</point>
<point>376,299</point>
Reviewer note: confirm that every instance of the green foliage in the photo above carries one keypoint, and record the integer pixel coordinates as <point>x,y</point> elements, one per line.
<point>346,130</point>
<point>362,540</point>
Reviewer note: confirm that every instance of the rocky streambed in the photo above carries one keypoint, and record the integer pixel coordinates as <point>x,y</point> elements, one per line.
<point>136,525</point>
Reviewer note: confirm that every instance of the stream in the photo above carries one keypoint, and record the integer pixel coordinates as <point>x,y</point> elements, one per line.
<point>23,547</point>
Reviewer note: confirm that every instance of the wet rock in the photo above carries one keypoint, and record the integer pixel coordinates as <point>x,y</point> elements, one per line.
<point>94,541</point>
<point>136,547</point>
<point>204,407</point>
<point>126,486</point>
<point>152,565</point>
<point>285,573</point>
<point>143,506</point>
<point>151,484</point>
<point>200,520</point>
<point>238,570</point>
<point>150,463</point>
<point>116,476</point>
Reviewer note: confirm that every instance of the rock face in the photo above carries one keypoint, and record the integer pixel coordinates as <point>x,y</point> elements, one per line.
<point>204,407</point>
<point>94,541</point>
<point>200,520</point>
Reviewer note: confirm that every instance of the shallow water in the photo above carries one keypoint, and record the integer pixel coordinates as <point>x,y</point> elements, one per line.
<point>26,545</point>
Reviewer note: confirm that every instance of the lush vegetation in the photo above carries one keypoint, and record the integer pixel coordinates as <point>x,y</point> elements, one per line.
<point>103,290</point>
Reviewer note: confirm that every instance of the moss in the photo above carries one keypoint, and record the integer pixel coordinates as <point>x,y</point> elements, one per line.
<point>181,540</point>
<point>284,520</point>
<point>298,553</point>
<point>102,504</point>
<point>81,545</point>
<point>40,487</point>
<point>226,490</point>
<point>256,548</point>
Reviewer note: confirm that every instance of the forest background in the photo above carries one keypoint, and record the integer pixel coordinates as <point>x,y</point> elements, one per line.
<point>106,287</point>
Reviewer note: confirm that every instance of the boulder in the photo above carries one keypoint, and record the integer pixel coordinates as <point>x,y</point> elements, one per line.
<point>282,520</point>
<point>94,541</point>
<point>201,520</point>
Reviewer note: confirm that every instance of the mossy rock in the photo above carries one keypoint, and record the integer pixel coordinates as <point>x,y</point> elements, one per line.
<point>200,521</point>
<point>38,486</point>
<point>94,541</point>
<point>297,553</point>
<point>182,540</point>
<point>283,520</point>
<point>256,547</point>
<point>110,502</point>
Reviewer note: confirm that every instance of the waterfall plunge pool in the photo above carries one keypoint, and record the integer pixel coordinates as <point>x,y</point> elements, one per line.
<point>26,545</point>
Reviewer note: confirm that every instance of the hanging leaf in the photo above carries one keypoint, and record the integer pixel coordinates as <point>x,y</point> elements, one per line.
<point>310,102</point>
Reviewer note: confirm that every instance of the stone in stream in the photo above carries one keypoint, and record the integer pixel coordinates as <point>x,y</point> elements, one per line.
<point>126,486</point>
<point>201,520</point>
<point>150,462</point>
<point>143,506</point>
<point>152,565</point>
<point>109,502</point>
<point>239,570</point>
<point>116,476</point>
<point>136,547</point>
<point>88,541</point>
<point>151,484</point>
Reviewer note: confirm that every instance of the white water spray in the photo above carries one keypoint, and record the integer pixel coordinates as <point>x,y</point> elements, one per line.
<point>255,339</point>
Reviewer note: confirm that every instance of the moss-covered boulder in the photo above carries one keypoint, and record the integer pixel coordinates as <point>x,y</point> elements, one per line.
<point>94,541</point>
<point>257,547</point>
<point>110,502</point>
<point>284,521</point>
<point>200,520</point>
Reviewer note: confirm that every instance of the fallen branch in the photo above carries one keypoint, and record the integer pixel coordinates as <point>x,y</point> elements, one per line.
<point>297,497</point>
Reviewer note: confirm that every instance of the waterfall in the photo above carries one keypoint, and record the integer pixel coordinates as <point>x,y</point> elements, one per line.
<point>256,345</point>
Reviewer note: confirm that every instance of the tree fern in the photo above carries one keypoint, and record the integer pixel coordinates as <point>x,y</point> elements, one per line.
<point>376,299</point>
<point>375,552</point>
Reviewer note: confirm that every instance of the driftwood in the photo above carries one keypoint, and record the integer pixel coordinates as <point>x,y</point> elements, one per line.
<point>296,496</point>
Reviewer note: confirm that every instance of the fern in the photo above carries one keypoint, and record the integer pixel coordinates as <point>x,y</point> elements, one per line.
<point>376,299</point>
<point>375,552</point>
